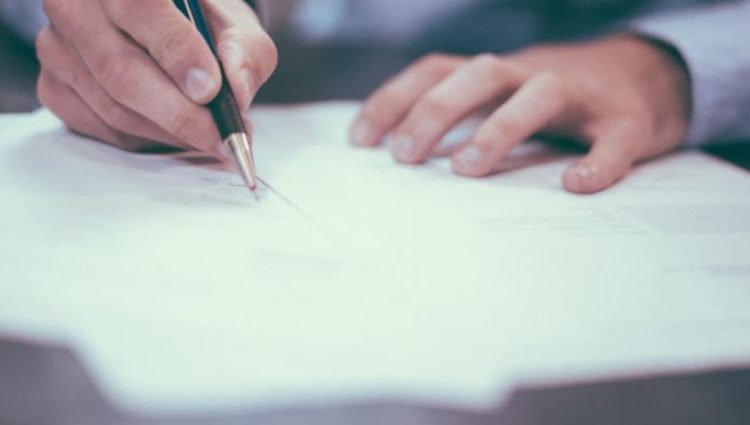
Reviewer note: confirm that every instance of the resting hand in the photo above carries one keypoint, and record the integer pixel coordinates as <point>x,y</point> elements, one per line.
<point>136,74</point>
<point>626,97</point>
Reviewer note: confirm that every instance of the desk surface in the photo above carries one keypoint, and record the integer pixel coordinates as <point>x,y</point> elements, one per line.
<point>40,373</point>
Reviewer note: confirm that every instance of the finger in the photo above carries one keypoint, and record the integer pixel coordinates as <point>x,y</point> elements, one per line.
<point>610,159</point>
<point>248,54</point>
<point>64,102</point>
<point>172,41</point>
<point>388,106</point>
<point>532,108</point>
<point>60,60</point>
<point>482,80</point>
<point>128,75</point>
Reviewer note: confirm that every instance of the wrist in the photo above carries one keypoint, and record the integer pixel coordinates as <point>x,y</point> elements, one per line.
<point>675,65</point>
<point>664,80</point>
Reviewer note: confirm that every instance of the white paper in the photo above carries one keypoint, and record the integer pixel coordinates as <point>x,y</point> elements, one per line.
<point>367,278</point>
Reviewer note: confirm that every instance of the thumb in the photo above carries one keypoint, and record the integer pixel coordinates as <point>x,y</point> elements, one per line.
<point>172,41</point>
<point>610,159</point>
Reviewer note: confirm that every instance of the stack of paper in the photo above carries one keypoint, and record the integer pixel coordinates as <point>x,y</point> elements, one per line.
<point>355,277</point>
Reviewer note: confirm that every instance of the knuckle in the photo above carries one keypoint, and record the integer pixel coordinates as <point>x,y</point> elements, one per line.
<point>552,83</point>
<point>44,43</point>
<point>434,107</point>
<point>228,43</point>
<point>80,80</point>
<point>182,126</point>
<point>554,89</point>
<point>505,128</point>
<point>261,43</point>
<point>119,12</point>
<point>488,60</point>
<point>116,116</point>
<point>173,45</point>
<point>270,52</point>
<point>260,46</point>
<point>116,76</point>
<point>432,60</point>
<point>493,67</point>
<point>384,100</point>
<point>55,9</point>
<point>435,64</point>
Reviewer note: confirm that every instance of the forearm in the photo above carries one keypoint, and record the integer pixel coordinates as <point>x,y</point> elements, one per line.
<point>712,41</point>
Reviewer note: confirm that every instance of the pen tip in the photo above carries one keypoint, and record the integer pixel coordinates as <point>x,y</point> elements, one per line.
<point>243,156</point>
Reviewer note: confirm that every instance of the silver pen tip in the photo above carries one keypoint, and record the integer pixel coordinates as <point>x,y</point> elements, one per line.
<point>239,145</point>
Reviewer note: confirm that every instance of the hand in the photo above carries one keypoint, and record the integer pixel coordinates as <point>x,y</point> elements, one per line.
<point>135,73</point>
<point>627,97</point>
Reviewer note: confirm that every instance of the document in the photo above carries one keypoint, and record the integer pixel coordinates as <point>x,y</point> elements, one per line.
<point>357,278</point>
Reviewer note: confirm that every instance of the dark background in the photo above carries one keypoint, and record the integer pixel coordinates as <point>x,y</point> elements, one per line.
<point>18,71</point>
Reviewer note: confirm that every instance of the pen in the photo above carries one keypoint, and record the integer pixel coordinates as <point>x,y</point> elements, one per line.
<point>224,108</point>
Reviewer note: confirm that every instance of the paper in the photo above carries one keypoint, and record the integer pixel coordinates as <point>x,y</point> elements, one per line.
<point>365,278</point>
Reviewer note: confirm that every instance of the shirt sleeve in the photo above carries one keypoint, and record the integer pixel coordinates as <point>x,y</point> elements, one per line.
<point>713,42</point>
<point>24,17</point>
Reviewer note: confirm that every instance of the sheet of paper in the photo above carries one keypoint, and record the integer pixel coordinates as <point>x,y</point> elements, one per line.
<point>365,278</point>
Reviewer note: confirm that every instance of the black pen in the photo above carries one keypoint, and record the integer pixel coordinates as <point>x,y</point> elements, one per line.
<point>224,108</point>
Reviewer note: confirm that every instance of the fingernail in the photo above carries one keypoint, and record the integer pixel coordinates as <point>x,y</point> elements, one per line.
<point>470,157</point>
<point>361,133</point>
<point>584,171</point>
<point>199,84</point>
<point>403,147</point>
